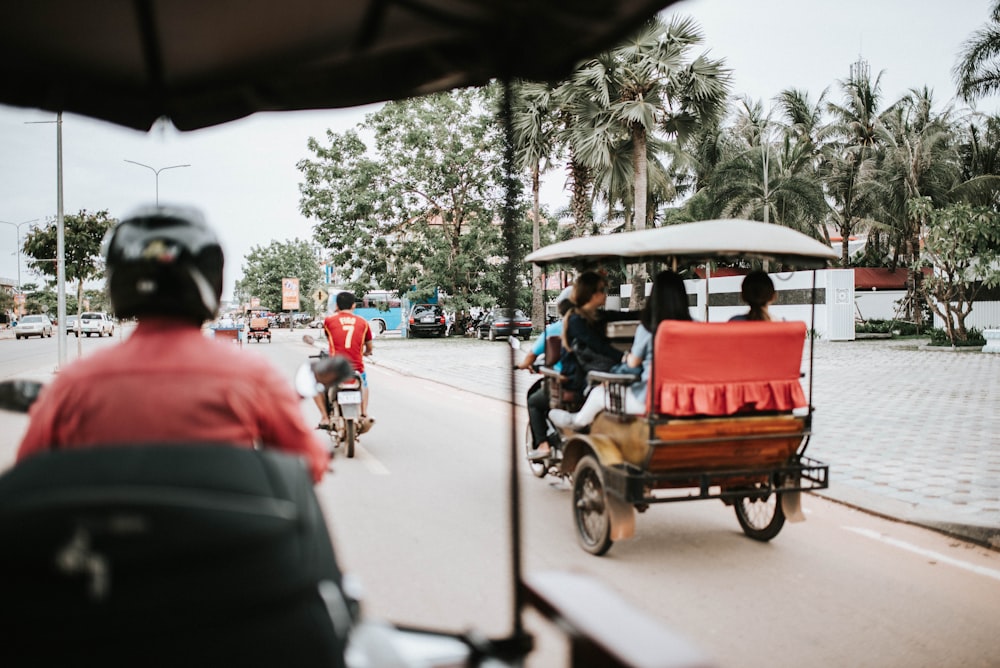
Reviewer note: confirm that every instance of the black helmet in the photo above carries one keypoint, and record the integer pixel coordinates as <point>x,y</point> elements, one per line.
<point>164,260</point>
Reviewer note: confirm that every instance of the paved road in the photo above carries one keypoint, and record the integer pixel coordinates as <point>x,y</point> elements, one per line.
<point>909,432</point>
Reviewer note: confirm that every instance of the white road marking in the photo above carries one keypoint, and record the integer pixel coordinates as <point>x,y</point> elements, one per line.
<point>936,556</point>
<point>372,462</point>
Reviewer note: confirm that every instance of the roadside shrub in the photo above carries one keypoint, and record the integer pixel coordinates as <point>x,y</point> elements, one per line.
<point>939,337</point>
<point>883,326</point>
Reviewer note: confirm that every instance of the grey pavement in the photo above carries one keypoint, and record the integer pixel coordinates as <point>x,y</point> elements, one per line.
<point>910,432</point>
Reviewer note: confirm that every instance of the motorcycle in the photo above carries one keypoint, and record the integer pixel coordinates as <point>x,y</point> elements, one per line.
<point>542,462</point>
<point>343,404</point>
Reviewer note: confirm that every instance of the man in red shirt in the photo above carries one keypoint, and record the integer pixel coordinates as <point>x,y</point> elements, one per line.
<point>348,335</point>
<point>168,383</point>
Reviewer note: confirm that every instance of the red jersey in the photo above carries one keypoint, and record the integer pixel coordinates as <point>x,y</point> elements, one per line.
<point>169,383</point>
<point>347,335</point>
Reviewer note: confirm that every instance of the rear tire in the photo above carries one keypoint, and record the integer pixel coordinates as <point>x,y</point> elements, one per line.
<point>349,437</point>
<point>760,517</point>
<point>590,507</point>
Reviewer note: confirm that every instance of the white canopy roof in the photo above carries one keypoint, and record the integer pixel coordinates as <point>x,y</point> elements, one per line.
<point>701,240</point>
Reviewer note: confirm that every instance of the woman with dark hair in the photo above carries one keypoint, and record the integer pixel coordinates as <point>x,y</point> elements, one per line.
<point>668,301</point>
<point>758,293</point>
<point>585,340</point>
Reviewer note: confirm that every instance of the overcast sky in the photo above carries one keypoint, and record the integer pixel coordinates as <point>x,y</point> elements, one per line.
<point>243,174</point>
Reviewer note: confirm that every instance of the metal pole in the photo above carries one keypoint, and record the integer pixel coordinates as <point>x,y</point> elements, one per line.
<point>60,247</point>
<point>18,249</point>
<point>156,174</point>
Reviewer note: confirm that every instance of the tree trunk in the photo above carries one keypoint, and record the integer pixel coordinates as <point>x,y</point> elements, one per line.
<point>580,200</point>
<point>914,282</point>
<point>639,173</point>
<point>639,169</point>
<point>537,303</point>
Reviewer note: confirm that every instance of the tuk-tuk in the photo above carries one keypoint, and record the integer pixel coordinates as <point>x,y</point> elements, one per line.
<point>726,416</point>
<point>258,326</point>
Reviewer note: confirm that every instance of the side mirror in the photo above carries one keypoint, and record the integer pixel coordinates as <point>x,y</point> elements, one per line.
<point>18,395</point>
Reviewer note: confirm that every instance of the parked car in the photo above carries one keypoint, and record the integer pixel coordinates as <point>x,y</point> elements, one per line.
<point>501,322</point>
<point>95,322</point>
<point>33,325</point>
<point>71,324</point>
<point>427,319</point>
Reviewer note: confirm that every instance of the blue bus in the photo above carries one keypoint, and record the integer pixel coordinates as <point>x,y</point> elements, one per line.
<point>381,308</point>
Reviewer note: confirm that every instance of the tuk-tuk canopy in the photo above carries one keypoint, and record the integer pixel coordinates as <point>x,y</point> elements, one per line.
<point>202,63</point>
<point>703,240</point>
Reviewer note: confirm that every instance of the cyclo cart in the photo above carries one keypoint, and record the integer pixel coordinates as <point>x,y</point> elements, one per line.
<point>727,416</point>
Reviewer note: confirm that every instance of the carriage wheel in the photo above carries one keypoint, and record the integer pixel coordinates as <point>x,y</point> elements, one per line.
<point>760,515</point>
<point>590,509</point>
<point>538,468</point>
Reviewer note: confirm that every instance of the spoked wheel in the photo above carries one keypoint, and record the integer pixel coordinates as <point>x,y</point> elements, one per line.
<point>760,515</point>
<point>590,508</point>
<point>539,468</point>
<point>350,436</point>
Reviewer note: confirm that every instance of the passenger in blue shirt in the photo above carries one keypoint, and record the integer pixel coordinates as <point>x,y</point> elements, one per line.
<point>538,399</point>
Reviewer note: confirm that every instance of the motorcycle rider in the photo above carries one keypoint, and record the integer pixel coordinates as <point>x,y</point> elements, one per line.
<point>538,400</point>
<point>349,335</point>
<point>167,382</point>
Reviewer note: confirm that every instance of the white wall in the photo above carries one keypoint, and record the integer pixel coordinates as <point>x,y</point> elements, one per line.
<point>833,320</point>
<point>984,315</point>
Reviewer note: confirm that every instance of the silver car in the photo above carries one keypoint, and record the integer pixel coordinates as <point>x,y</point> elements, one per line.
<point>33,325</point>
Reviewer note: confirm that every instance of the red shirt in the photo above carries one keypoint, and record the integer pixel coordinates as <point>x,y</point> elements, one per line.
<point>347,335</point>
<point>169,383</point>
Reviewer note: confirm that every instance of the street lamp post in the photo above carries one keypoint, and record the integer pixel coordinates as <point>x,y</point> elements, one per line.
<point>18,249</point>
<point>156,172</point>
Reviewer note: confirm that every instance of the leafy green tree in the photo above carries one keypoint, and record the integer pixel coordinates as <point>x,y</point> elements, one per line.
<point>6,303</point>
<point>420,208</point>
<point>265,267</point>
<point>962,244</point>
<point>978,70</point>
<point>84,233</point>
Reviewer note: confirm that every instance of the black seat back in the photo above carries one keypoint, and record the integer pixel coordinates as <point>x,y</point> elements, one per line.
<point>167,555</point>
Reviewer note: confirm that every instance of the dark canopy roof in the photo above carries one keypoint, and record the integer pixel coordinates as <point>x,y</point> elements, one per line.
<point>203,62</point>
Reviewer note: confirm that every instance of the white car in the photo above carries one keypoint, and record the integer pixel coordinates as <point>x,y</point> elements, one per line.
<point>33,325</point>
<point>93,322</point>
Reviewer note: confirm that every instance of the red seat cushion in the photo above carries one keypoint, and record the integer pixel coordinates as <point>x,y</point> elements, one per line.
<point>720,369</point>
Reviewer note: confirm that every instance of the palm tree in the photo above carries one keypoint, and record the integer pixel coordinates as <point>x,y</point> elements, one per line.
<point>533,123</point>
<point>920,160</point>
<point>850,157</point>
<point>773,177</point>
<point>978,70</point>
<point>627,95</point>
<point>979,152</point>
